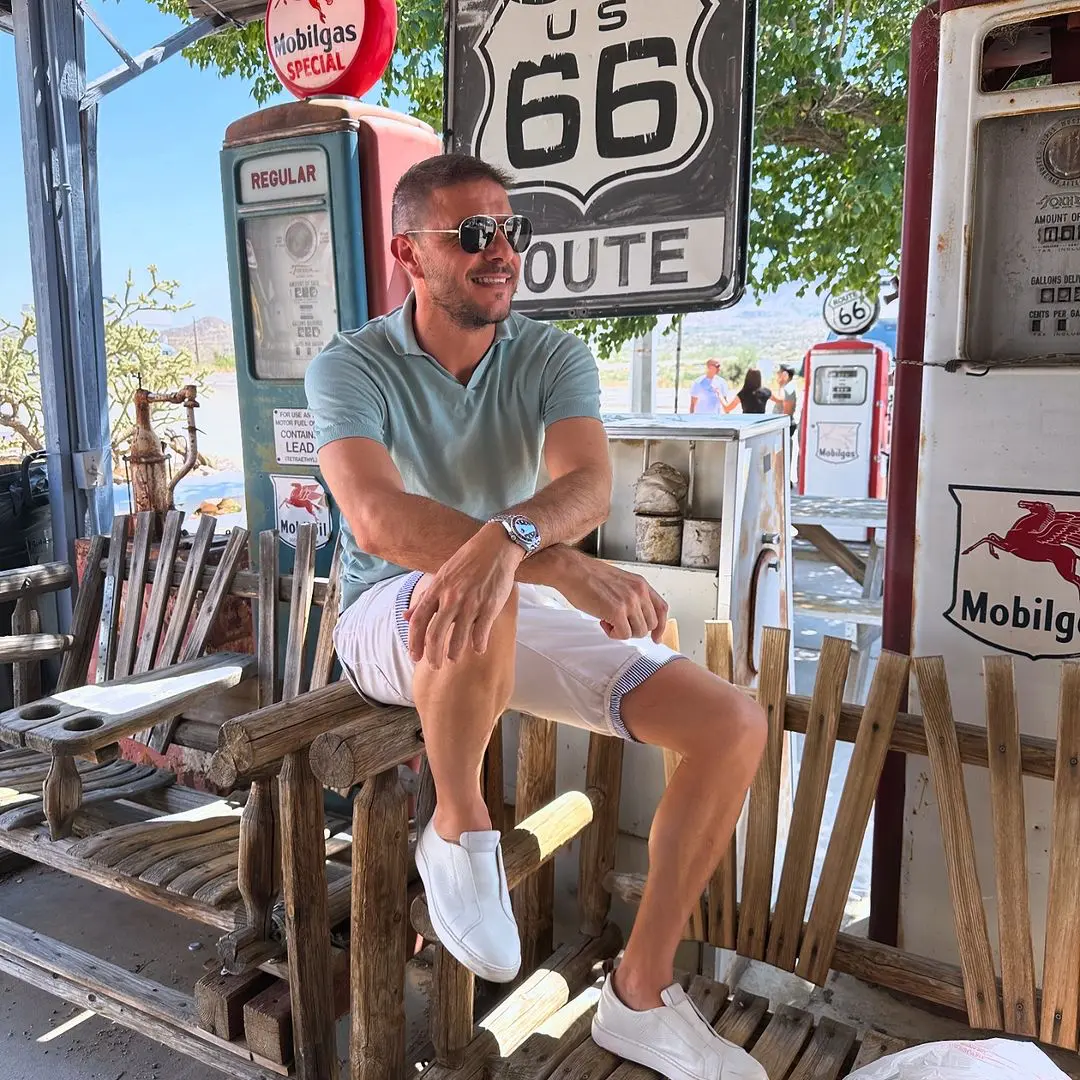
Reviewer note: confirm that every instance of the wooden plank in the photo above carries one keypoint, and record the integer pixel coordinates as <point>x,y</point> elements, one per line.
<point>852,815</point>
<point>1010,848</point>
<point>976,960</point>
<point>307,926</point>
<point>299,611</point>
<point>322,663</point>
<point>833,550</point>
<point>839,510</point>
<point>192,880</point>
<point>131,838</point>
<point>214,597</point>
<point>377,740</point>
<point>108,713</point>
<point>534,899</point>
<point>221,889</point>
<point>551,1043</point>
<point>452,992</point>
<point>159,1012</point>
<point>133,599</point>
<point>33,648</point>
<point>866,634</point>
<point>61,795</point>
<point>1061,957</point>
<point>155,853</point>
<point>876,1045</point>
<point>742,1018</point>
<point>267,1026</point>
<point>110,600</point>
<point>761,822</point>
<point>159,591</point>
<point>266,642</point>
<point>27,581</point>
<point>603,774</point>
<point>829,1047</point>
<point>378,930</point>
<point>783,1040</point>
<point>25,676</point>
<point>73,670</point>
<point>165,871</point>
<point>219,1000</point>
<point>185,594</point>
<point>721,898</point>
<point>809,804</point>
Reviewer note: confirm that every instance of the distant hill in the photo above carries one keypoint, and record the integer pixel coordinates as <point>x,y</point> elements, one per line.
<point>214,336</point>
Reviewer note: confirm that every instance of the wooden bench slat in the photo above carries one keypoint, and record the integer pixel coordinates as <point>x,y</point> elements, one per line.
<point>723,886</point>
<point>133,602</point>
<point>763,812</point>
<point>1061,958</point>
<point>76,665</point>
<point>16,648</point>
<point>852,815</point>
<point>299,613</point>
<point>843,609</point>
<point>783,1040</point>
<point>159,592</point>
<point>110,600</point>
<point>875,1045</point>
<point>809,804</point>
<point>185,594</point>
<point>168,869</point>
<point>191,880</point>
<point>31,580</point>
<point>742,1017</point>
<point>1010,848</point>
<point>322,664</point>
<point>828,1049</point>
<point>976,959</point>
<point>266,615</point>
<point>153,853</point>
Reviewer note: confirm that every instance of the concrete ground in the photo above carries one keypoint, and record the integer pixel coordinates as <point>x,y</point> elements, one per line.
<point>42,1038</point>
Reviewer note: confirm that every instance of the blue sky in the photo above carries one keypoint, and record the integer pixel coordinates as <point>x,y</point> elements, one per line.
<point>159,141</point>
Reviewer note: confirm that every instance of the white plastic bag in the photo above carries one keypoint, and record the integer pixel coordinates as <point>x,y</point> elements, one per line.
<point>984,1059</point>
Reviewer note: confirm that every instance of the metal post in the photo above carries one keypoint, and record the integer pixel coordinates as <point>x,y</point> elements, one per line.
<point>642,374</point>
<point>59,159</point>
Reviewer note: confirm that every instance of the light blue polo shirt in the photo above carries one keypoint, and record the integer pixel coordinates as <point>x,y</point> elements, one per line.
<point>475,448</point>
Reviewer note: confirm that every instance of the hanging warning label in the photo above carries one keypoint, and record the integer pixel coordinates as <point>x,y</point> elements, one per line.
<point>294,437</point>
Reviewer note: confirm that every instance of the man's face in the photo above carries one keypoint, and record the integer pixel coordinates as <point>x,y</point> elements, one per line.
<point>783,378</point>
<point>712,370</point>
<point>474,290</point>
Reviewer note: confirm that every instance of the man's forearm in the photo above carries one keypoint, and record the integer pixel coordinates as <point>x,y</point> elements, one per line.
<point>421,534</point>
<point>570,507</point>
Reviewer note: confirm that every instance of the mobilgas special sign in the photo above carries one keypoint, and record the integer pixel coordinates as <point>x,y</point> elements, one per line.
<point>1015,580</point>
<point>626,125</point>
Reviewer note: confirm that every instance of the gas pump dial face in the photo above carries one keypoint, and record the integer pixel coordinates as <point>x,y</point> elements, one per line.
<point>1060,159</point>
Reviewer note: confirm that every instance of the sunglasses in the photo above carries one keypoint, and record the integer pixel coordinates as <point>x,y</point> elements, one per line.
<point>477,231</point>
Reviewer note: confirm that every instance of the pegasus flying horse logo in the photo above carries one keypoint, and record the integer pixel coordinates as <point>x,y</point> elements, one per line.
<point>1043,534</point>
<point>316,4</point>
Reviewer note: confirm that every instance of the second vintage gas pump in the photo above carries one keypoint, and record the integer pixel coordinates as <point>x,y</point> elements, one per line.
<point>307,189</point>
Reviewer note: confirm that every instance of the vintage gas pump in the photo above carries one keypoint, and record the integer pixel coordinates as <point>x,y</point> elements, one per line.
<point>844,433</point>
<point>307,189</point>
<point>998,507</point>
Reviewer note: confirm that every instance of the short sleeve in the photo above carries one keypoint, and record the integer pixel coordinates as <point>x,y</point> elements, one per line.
<point>344,399</point>
<point>571,384</point>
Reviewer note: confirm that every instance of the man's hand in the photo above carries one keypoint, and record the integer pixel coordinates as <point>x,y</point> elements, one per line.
<point>461,602</point>
<point>626,604</point>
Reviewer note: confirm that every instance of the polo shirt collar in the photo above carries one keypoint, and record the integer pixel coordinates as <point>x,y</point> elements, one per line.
<point>400,331</point>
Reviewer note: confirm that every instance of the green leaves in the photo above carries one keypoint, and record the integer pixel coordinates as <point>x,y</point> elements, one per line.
<point>830,109</point>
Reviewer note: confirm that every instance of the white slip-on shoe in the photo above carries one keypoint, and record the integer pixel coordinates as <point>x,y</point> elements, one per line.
<point>469,903</point>
<point>674,1039</point>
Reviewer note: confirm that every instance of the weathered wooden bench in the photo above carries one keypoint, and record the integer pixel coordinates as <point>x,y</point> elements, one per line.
<point>541,1028</point>
<point>256,864</point>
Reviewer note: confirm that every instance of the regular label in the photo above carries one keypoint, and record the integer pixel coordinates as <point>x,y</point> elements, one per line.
<point>294,437</point>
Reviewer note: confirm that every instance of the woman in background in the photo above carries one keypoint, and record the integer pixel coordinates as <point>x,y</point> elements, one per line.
<point>753,397</point>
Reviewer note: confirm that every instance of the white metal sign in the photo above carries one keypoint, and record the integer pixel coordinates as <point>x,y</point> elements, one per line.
<point>300,500</point>
<point>1015,580</point>
<point>284,176</point>
<point>850,312</point>
<point>619,121</point>
<point>294,437</point>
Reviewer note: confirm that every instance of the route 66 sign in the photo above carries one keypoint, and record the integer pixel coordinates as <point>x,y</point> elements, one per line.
<point>626,127</point>
<point>850,312</point>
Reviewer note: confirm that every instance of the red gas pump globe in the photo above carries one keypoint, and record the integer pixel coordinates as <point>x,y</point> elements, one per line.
<point>330,46</point>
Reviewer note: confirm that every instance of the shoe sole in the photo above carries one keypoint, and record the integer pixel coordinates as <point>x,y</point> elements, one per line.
<point>458,949</point>
<point>640,1055</point>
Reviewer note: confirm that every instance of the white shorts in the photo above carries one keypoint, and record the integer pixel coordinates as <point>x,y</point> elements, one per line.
<point>568,670</point>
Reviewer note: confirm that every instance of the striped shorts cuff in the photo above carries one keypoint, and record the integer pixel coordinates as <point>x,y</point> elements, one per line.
<point>401,604</point>
<point>632,677</point>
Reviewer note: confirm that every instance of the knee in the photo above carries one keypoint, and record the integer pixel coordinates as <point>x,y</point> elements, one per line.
<point>738,731</point>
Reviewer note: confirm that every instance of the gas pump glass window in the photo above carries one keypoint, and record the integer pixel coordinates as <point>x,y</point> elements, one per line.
<point>291,290</point>
<point>836,385</point>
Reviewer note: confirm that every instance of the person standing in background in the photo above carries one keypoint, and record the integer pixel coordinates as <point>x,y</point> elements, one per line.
<point>753,397</point>
<point>710,393</point>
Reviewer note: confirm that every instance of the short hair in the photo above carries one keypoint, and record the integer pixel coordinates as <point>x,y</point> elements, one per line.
<point>712,360</point>
<point>413,190</point>
<point>788,370</point>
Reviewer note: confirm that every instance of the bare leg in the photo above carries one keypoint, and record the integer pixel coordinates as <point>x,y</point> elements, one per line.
<point>458,706</point>
<point>720,733</point>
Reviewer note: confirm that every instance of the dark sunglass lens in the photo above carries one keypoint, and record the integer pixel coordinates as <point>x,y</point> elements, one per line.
<point>518,232</point>
<point>476,233</point>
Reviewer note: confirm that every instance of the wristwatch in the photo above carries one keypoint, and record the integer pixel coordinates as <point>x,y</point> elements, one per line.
<point>521,530</point>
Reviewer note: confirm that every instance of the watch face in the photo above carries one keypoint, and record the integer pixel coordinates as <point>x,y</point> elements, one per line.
<point>526,530</point>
